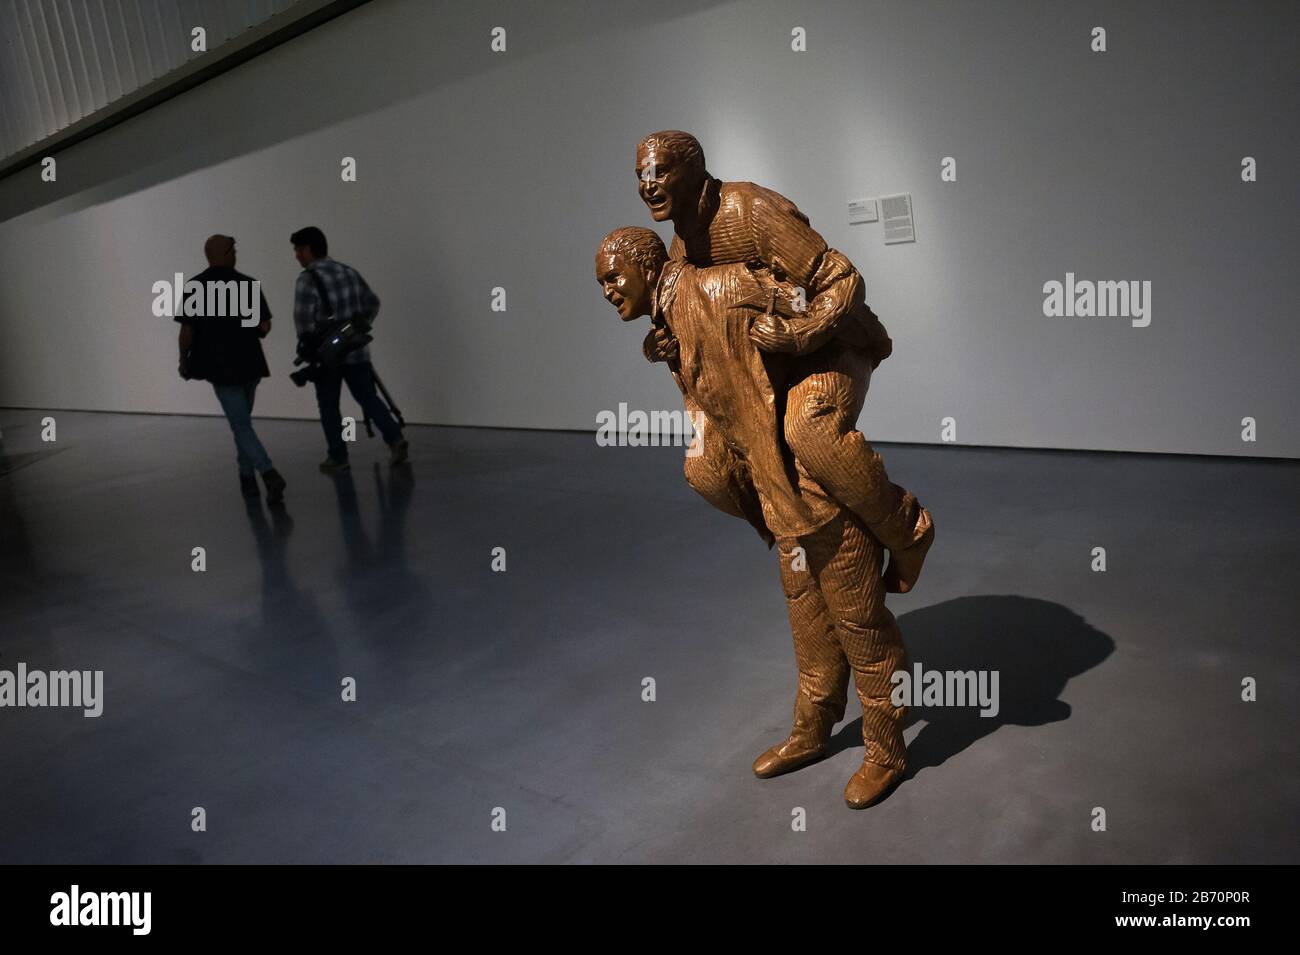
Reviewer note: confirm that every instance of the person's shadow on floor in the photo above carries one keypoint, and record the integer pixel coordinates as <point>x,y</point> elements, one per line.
<point>1035,645</point>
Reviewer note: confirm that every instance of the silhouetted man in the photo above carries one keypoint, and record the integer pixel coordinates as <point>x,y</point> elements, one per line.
<point>221,341</point>
<point>330,290</point>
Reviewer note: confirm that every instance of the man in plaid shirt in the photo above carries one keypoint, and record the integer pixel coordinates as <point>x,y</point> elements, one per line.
<point>349,298</point>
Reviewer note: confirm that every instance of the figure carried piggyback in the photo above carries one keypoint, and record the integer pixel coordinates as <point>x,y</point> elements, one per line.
<point>767,334</point>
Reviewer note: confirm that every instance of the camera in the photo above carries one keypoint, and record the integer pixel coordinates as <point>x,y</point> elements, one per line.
<point>327,348</point>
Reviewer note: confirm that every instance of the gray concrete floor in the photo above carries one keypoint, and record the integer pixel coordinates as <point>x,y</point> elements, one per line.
<point>522,689</point>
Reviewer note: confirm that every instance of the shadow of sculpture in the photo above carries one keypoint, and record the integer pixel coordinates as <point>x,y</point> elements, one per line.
<point>1036,647</point>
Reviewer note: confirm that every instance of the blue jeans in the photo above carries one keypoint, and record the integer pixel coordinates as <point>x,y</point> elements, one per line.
<point>237,403</point>
<point>361,382</point>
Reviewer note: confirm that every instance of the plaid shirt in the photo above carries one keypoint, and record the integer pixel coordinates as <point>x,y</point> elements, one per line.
<point>349,297</point>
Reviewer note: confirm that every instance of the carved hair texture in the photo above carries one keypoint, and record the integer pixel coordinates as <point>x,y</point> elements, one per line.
<point>642,246</point>
<point>685,147</point>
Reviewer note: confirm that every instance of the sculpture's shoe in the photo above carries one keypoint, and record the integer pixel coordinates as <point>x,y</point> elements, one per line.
<point>786,757</point>
<point>809,736</point>
<point>905,564</point>
<point>869,784</point>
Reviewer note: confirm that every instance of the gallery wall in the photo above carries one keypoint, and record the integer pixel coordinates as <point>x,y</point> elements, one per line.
<point>479,170</point>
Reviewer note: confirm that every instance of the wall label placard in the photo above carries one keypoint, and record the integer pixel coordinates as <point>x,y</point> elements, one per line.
<point>897,213</point>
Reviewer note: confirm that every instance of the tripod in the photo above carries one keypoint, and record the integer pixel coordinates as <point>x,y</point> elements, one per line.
<point>387,399</point>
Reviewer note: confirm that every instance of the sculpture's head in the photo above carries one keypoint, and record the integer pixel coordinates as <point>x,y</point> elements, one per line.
<point>670,168</point>
<point>628,264</point>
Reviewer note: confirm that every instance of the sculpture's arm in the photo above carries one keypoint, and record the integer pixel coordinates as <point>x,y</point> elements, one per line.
<point>795,252</point>
<point>836,293</point>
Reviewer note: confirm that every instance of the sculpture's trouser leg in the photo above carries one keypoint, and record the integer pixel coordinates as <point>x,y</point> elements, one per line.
<point>821,417</point>
<point>823,668</point>
<point>720,477</point>
<point>841,596</point>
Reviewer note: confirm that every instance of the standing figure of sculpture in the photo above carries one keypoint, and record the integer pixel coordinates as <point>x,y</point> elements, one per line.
<point>769,338</point>
<point>830,564</point>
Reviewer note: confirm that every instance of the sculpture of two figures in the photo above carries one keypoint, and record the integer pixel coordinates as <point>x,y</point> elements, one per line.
<point>767,334</point>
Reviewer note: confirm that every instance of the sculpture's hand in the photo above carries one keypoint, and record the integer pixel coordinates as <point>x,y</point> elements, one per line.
<point>773,333</point>
<point>659,345</point>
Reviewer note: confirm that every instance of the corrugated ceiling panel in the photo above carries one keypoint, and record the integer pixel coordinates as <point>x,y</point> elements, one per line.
<point>64,60</point>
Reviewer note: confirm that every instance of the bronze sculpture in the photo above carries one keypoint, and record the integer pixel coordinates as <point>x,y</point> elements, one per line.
<point>768,336</point>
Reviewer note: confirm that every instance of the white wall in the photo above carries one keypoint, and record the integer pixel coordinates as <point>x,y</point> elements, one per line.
<point>480,170</point>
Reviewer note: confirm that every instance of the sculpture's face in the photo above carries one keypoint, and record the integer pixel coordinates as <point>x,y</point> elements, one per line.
<point>667,187</point>
<point>624,285</point>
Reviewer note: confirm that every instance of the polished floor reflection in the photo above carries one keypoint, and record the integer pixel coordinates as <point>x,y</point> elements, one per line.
<point>522,689</point>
